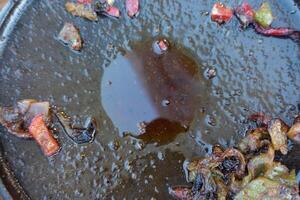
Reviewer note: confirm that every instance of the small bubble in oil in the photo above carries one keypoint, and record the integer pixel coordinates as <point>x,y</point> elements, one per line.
<point>165,102</point>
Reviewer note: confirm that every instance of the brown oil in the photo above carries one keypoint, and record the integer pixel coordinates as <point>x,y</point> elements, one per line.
<point>151,96</point>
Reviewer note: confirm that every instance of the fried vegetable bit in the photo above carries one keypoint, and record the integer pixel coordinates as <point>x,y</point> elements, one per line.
<point>70,36</point>
<point>263,16</point>
<point>29,119</point>
<point>247,172</point>
<point>260,118</point>
<point>262,20</point>
<point>42,135</point>
<point>103,7</point>
<point>84,1</point>
<point>211,175</point>
<point>79,135</point>
<point>220,13</point>
<point>81,10</point>
<point>294,132</point>
<point>245,14</point>
<point>278,132</point>
<point>18,118</point>
<point>132,7</point>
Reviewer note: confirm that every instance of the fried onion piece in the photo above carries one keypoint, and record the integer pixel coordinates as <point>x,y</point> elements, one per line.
<point>253,174</point>
<point>260,164</point>
<point>278,132</point>
<point>81,10</point>
<point>294,132</point>
<point>253,141</point>
<point>264,188</point>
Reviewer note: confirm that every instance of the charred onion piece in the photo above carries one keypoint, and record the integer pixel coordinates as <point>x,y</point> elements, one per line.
<point>81,10</point>
<point>132,7</point>
<point>42,135</point>
<point>278,132</point>
<point>70,36</point>
<point>85,134</point>
<point>240,166</point>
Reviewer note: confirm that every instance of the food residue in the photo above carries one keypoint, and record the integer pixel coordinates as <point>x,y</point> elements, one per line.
<point>248,171</point>
<point>70,36</point>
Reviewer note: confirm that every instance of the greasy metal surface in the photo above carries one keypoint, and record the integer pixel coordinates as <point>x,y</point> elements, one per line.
<point>253,73</point>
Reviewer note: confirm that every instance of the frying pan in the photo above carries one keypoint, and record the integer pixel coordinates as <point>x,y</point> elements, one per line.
<point>254,73</point>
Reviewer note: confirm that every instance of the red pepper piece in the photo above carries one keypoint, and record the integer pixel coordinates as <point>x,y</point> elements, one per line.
<point>113,11</point>
<point>42,135</point>
<point>277,32</point>
<point>220,13</point>
<point>132,7</point>
<point>245,14</point>
<point>84,1</point>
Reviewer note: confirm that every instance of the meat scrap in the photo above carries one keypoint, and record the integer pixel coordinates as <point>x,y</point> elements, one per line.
<point>43,136</point>
<point>81,10</point>
<point>70,36</point>
<point>132,7</point>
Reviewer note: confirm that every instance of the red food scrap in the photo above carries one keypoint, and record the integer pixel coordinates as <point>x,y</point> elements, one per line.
<point>70,36</point>
<point>277,32</point>
<point>220,13</point>
<point>181,192</point>
<point>260,118</point>
<point>132,7</point>
<point>84,1</point>
<point>113,11</point>
<point>42,135</point>
<point>161,46</point>
<point>245,14</point>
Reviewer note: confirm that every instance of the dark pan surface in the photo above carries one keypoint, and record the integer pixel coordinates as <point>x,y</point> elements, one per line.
<point>254,73</point>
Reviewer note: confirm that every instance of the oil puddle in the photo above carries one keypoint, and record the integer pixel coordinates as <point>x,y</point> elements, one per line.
<point>151,96</point>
